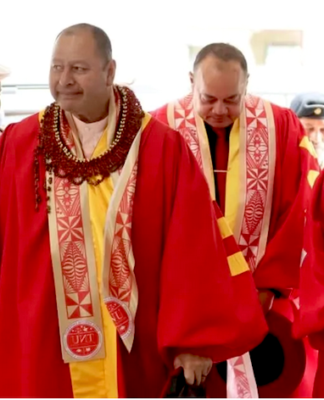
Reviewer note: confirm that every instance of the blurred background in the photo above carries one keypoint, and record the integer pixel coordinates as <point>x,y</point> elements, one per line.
<point>155,43</point>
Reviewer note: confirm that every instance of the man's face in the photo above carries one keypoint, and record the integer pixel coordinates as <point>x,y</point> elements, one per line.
<point>79,79</point>
<point>219,88</point>
<point>315,131</point>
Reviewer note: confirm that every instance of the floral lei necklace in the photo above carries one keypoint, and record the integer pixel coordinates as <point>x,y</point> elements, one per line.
<point>60,161</point>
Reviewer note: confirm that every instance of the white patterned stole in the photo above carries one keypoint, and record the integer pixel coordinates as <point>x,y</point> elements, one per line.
<point>73,258</point>
<point>257,169</point>
<point>119,283</point>
<point>257,165</point>
<point>74,265</point>
<point>256,173</point>
<point>240,378</point>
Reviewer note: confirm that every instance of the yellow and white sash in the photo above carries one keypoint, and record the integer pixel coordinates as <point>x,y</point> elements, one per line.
<point>74,267</point>
<point>73,258</point>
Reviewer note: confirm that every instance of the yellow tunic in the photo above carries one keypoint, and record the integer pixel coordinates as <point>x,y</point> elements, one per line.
<point>98,379</point>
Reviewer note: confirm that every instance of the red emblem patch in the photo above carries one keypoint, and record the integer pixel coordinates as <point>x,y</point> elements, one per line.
<point>82,340</point>
<point>120,316</point>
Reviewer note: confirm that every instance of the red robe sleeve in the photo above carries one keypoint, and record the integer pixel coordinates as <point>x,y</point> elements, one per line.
<point>311,316</point>
<point>296,170</point>
<point>200,308</point>
<point>30,355</point>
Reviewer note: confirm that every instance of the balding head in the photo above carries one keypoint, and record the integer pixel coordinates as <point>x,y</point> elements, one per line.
<point>100,37</point>
<point>223,53</point>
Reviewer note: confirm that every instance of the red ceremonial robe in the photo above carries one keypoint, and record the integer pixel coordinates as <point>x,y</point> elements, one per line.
<point>187,301</point>
<point>278,270</point>
<point>311,316</point>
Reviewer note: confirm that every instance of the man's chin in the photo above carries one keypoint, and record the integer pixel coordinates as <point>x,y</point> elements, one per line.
<point>219,124</point>
<point>67,105</point>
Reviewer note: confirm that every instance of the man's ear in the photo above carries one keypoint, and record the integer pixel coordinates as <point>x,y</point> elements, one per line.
<point>111,71</point>
<point>191,77</point>
<point>247,82</point>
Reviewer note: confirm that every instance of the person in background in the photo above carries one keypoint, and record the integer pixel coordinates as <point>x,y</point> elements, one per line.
<point>309,108</point>
<point>260,167</point>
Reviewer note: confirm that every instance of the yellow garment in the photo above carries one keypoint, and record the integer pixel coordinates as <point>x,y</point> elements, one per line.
<point>312,176</point>
<point>236,261</point>
<point>307,144</point>
<point>98,379</point>
<point>233,177</point>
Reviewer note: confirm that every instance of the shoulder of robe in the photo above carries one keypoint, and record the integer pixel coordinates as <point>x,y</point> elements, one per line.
<point>158,129</point>
<point>23,131</point>
<point>160,112</point>
<point>285,116</point>
<point>289,129</point>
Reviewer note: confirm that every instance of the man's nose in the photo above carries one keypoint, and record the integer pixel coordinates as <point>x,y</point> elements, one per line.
<point>66,77</point>
<point>219,108</point>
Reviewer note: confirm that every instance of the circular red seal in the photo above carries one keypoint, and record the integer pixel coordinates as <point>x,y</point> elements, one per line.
<point>82,340</point>
<point>121,316</point>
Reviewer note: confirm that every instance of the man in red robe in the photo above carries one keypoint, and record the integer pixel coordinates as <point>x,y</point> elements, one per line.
<point>114,266</point>
<point>260,167</point>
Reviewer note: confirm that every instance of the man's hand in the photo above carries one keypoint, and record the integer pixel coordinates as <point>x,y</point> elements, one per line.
<point>266,298</point>
<point>195,368</point>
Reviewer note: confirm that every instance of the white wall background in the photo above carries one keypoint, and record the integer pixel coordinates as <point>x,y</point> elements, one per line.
<point>150,41</point>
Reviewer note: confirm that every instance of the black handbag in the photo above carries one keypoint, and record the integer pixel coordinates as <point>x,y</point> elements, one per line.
<point>177,387</point>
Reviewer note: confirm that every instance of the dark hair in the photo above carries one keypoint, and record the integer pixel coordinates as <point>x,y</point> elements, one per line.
<point>101,38</point>
<point>222,51</point>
